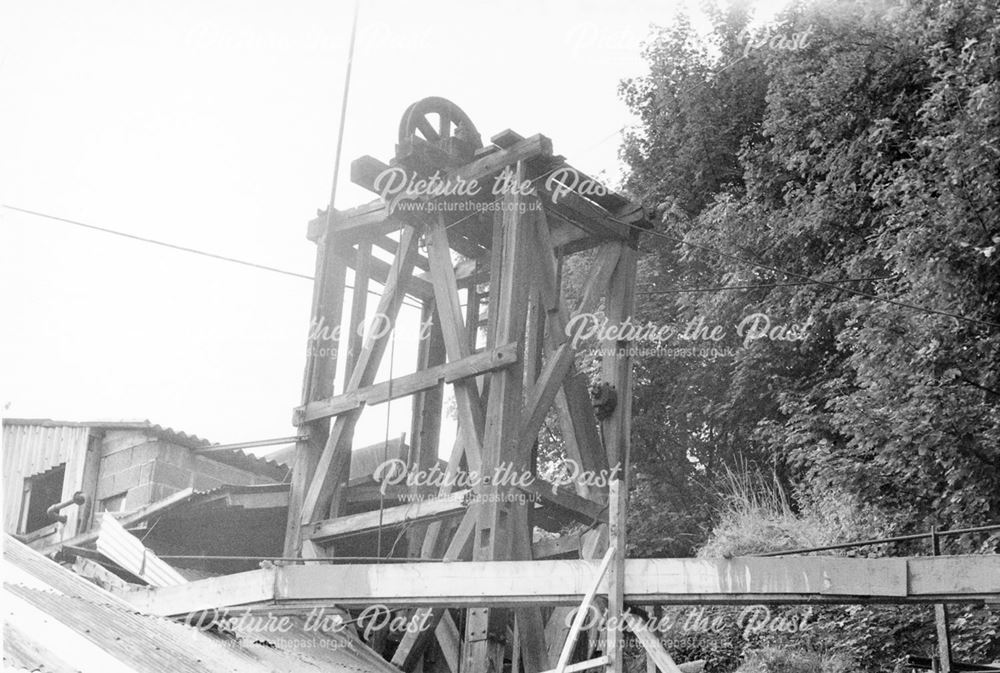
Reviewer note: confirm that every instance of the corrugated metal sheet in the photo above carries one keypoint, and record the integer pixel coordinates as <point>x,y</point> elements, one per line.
<point>237,458</point>
<point>33,449</point>
<point>66,623</point>
<point>125,549</point>
<point>364,459</point>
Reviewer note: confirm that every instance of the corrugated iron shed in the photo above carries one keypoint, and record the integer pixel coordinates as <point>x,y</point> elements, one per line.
<point>55,620</point>
<point>30,449</point>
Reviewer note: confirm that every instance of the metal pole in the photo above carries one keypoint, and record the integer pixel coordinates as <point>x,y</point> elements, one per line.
<point>343,116</point>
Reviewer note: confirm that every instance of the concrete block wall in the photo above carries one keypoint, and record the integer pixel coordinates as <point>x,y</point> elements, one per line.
<point>126,462</point>
<point>149,469</point>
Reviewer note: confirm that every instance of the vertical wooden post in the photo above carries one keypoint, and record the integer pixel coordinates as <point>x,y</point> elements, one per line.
<point>359,305</point>
<point>355,342</point>
<point>425,424</point>
<point>486,627</point>
<point>941,616</point>
<point>83,478</point>
<point>317,380</point>
<point>616,371</point>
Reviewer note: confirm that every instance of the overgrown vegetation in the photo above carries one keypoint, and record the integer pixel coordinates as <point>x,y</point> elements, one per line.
<point>757,516</point>
<point>870,154</point>
<point>773,660</point>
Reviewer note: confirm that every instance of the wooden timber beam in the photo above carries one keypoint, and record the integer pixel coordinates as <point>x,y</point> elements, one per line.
<point>616,372</point>
<point>573,208</point>
<point>391,246</point>
<point>414,640</point>
<point>597,216</point>
<point>562,545</point>
<point>472,420</point>
<point>363,259</point>
<point>748,580</point>
<point>404,386</point>
<point>467,272</point>
<point>379,270</point>
<point>371,219</point>
<point>606,198</point>
<point>425,422</point>
<point>374,218</point>
<point>432,509</point>
<point>582,509</point>
<point>651,643</point>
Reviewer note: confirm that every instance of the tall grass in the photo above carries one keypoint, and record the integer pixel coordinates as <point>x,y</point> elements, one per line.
<point>757,515</point>
<point>776,660</point>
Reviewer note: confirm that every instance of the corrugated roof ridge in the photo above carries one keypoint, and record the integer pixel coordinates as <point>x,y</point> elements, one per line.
<point>178,437</point>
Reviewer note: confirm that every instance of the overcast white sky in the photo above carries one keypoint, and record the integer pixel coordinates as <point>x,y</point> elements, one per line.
<point>213,125</point>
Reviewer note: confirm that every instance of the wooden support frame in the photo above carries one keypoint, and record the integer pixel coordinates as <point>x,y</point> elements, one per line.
<point>508,271</point>
<point>332,466</point>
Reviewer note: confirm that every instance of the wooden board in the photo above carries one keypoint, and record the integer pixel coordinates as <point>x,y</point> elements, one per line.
<point>564,582</point>
<point>427,510</point>
<point>404,386</point>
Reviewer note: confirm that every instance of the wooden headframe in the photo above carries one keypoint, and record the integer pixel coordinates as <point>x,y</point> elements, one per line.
<point>511,365</point>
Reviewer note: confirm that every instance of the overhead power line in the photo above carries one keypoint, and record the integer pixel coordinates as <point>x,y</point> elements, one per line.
<point>181,248</point>
<point>721,288</point>
<point>164,244</point>
<point>804,279</point>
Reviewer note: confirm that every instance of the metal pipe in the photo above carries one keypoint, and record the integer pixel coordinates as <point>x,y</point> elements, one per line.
<point>53,511</point>
<point>898,538</point>
<point>249,445</point>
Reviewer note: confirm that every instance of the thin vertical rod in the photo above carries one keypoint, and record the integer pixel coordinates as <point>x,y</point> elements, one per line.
<point>343,116</point>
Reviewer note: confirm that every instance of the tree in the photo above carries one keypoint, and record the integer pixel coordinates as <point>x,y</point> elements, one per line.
<point>871,152</point>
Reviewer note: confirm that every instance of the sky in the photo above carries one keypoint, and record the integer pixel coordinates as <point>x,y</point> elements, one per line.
<point>213,125</point>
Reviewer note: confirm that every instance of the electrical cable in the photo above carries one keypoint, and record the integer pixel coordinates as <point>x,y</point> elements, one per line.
<point>173,246</point>
<point>153,241</point>
<point>721,288</point>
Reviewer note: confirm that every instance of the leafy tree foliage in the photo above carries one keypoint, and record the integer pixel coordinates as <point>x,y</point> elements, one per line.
<point>871,152</point>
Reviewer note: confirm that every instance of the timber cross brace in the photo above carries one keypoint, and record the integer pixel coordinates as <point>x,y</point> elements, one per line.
<point>491,226</point>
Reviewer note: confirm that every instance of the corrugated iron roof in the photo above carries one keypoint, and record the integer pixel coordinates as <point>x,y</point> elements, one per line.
<point>222,495</point>
<point>56,620</point>
<point>364,459</point>
<point>235,458</point>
